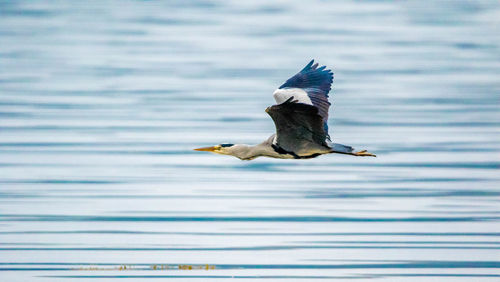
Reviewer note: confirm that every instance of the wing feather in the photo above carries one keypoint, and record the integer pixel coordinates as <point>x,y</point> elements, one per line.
<point>299,128</point>
<point>316,82</point>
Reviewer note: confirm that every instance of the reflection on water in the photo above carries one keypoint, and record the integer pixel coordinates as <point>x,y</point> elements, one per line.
<point>101,104</point>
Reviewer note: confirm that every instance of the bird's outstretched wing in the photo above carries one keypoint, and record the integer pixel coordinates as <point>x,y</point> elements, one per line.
<point>310,86</point>
<point>299,128</point>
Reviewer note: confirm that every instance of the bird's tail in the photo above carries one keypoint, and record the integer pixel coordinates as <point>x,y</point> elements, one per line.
<point>341,149</point>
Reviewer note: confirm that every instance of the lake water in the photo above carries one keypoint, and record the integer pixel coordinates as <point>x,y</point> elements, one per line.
<point>102,102</point>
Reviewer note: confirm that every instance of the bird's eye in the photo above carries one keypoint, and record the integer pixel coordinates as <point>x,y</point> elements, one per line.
<point>226,145</point>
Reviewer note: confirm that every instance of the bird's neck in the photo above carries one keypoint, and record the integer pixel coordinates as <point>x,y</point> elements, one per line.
<point>248,152</point>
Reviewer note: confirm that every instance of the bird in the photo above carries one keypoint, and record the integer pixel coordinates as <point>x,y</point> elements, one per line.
<point>300,116</point>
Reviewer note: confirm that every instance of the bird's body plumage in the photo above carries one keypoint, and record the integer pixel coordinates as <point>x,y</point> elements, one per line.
<point>300,117</point>
<point>299,129</point>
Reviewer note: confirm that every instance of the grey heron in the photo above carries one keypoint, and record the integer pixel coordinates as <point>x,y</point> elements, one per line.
<point>300,116</point>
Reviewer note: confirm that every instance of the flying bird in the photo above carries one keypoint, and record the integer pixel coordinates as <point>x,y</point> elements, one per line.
<point>300,116</point>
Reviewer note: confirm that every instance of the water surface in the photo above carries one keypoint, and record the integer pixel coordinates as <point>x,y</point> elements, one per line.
<point>102,102</point>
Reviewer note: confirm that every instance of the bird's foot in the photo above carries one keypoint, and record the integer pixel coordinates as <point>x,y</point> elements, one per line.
<point>363,153</point>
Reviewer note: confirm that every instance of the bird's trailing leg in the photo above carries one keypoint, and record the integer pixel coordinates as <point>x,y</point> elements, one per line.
<point>363,153</point>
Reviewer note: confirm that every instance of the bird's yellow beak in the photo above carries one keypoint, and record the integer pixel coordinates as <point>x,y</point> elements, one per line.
<point>207,149</point>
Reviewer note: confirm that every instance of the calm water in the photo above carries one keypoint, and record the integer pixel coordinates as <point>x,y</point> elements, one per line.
<point>102,102</point>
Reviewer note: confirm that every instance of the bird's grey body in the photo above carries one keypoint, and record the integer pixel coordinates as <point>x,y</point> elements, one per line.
<point>300,117</point>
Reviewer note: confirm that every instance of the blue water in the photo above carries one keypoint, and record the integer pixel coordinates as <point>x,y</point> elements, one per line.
<point>102,102</point>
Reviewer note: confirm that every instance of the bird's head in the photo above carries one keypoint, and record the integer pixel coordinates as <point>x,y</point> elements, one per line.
<point>222,149</point>
<point>241,151</point>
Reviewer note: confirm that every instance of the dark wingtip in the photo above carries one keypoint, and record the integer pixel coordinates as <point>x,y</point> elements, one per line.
<point>309,65</point>
<point>312,75</point>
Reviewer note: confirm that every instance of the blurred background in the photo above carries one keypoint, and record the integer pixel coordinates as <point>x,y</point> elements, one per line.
<point>102,102</point>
